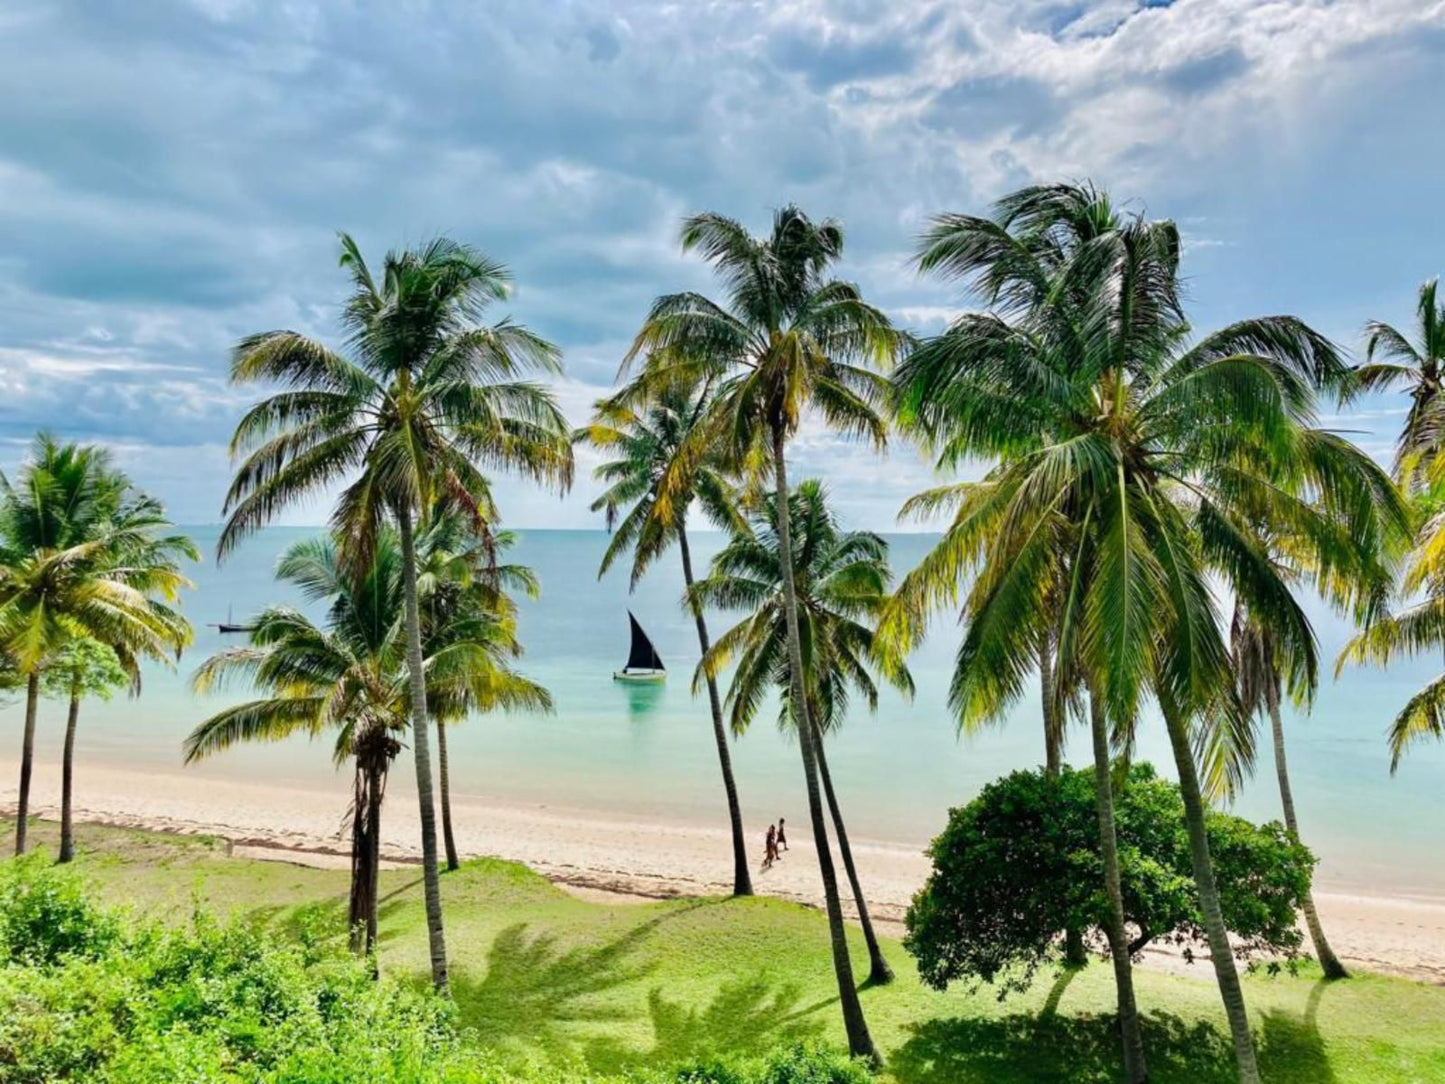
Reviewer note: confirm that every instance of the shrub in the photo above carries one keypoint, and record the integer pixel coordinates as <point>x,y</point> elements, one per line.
<point>46,916</point>
<point>1020,864</point>
<point>84,998</point>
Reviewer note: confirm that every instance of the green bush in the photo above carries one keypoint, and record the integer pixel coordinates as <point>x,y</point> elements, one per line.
<point>46,917</point>
<point>84,997</point>
<point>1020,864</point>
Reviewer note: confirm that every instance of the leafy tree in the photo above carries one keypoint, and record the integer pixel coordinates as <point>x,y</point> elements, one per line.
<point>789,340</point>
<point>424,396</point>
<point>841,578</point>
<point>1021,863</point>
<point>82,554</point>
<point>1158,463</point>
<point>653,451</point>
<point>1419,368</point>
<point>82,668</point>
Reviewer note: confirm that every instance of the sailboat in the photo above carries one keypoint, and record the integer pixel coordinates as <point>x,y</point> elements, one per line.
<point>229,625</point>
<point>643,662</point>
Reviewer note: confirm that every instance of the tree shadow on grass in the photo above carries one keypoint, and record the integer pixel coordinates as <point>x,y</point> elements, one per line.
<point>1053,1049</point>
<point>537,992</point>
<point>749,1015</point>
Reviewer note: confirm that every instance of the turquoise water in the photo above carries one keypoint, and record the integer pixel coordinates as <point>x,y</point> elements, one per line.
<point>648,751</point>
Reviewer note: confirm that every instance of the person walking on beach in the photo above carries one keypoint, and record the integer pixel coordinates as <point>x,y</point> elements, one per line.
<point>782,843</point>
<point>770,847</point>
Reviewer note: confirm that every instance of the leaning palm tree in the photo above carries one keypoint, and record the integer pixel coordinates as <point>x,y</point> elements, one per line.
<point>788,340</point>
<point>1419,368</point>
<point>651,447</point>
<point>842,580</point>
<point>422,396</point>
<point>1266,670</point>
<point>73,562</point>
<point>1162,464</point>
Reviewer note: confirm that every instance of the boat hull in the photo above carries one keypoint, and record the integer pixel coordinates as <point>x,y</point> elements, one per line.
<point>655,678</point>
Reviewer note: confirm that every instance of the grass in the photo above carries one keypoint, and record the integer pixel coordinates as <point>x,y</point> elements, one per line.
<point>539,974</point>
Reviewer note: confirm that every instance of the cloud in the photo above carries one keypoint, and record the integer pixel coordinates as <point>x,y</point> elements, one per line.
<point>172,176</point>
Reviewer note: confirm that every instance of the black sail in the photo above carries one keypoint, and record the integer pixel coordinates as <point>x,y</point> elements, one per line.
<point>643,655</point>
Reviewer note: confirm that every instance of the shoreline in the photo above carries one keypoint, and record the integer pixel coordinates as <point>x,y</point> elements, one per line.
<point>609,856</point>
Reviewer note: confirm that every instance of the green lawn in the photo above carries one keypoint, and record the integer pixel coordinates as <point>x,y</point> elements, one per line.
<point>540,974</point>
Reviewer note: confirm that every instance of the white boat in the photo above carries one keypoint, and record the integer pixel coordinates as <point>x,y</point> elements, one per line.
<point>644,665</point>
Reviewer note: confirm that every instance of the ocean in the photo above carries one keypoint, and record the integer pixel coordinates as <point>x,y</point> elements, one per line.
<point>647,751</point>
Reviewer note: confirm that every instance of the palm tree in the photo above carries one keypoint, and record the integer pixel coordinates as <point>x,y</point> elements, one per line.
<point>70,566</point>
<point>83,667</point>
<point>652,446</point>
<point>1161,463</point>
<point>842,581</point>
<point>1418,367</point>
<point>1418,628</point>
<point>789,340</point>
<point>424,396</point>
<point>465,601</point>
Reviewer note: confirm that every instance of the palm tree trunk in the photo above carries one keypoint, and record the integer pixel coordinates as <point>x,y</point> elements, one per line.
<point>421,749</point>
<point>1219,951</point>
<point>67,779</point>
<point>27,759</point>
<point>360,856</point>
<point>742,877</point>
<point>1053,729</point>
<point>376,790</point>
<point>1329,962</point>
<point>860,1043</point>
<point>1074,953</point>
<point>1135,1069</point>
<point>879,973</point>
<point>447,837</point>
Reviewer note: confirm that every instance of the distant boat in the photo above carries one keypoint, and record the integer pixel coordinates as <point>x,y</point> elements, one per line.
<point>643,662</point>
<point>229,625</point>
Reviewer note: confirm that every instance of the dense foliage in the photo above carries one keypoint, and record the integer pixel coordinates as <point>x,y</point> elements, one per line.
<point>87,997</point>
<point>1020,863</point>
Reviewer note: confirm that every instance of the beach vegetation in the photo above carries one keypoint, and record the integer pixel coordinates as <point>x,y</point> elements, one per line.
<point>657,472</point>
<point>349,674</point>
<point>1020,864</point>
<point>842,579</point>
<point>82,668</point>
<point>421,398</point>
<point>83,554</point>
<point>789,339</point>
<point>1150,462</point>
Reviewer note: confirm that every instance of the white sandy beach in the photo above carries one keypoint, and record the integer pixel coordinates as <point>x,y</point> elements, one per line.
<point>596,852</point>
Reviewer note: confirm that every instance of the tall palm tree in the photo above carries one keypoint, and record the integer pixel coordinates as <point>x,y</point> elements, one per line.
<point>465,599</point>
<point>842,581</point>
<point>651,446</point>
<point>1419,368</point>
<point>788,340</point>
<point>79,557</point>
<point>1162,463</point>
<point>423,396</point>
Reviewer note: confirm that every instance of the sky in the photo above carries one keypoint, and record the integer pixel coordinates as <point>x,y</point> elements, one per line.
<point>173,175</point>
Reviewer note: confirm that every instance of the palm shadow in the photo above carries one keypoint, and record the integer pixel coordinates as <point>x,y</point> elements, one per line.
<point>749,1015</point>
<point>538,992</point>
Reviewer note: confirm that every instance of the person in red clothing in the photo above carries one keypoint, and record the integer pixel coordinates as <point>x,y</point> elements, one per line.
<point>770,847</point>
